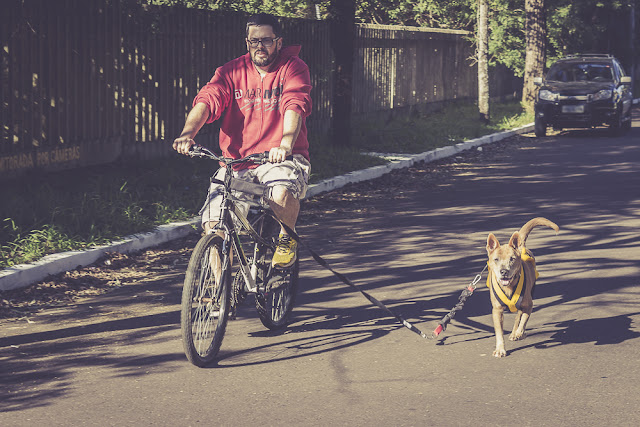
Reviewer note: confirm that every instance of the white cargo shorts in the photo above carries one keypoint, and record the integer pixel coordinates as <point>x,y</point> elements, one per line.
<point>292,174</point>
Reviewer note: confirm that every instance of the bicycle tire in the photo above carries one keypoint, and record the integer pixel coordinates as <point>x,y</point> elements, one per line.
<point>203,316</point>
<point>274,307</point>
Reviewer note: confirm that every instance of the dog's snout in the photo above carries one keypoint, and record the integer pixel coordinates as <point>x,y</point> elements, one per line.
<point>504,272</point>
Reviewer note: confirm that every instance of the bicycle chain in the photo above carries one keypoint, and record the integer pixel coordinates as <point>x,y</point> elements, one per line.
<point>237,294</point>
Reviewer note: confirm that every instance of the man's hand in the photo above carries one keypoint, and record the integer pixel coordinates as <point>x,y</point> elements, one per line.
<point>183,144</point>
<point>278,154</point>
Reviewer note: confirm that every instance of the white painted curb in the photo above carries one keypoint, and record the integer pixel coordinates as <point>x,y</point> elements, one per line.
<point>23,275</point>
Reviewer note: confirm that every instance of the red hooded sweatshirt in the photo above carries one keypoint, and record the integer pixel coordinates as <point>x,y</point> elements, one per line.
<point>254,107</point>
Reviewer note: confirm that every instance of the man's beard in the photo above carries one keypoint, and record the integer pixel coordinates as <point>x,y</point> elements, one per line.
<point>264,62</point>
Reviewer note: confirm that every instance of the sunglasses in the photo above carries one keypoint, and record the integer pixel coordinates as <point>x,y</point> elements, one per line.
<point>266,42</point>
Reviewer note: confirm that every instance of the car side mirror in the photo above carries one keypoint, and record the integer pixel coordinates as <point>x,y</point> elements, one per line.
<point>537,81</point>
<point>626,80</point>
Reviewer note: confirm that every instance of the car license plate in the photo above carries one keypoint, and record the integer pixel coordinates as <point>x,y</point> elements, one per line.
<point>577,109</point>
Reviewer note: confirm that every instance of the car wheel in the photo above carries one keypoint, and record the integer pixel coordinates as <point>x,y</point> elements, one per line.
<point>626,125</point>
<point>540,127</point>
<point>616,125</point>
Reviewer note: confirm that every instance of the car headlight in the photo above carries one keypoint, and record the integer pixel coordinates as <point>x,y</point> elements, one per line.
<point>603,94</point>
<point>547,95</point>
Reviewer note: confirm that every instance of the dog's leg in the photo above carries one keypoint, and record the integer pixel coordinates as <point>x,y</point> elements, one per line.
<point>519,327</point>
<point>516,325</point>
<point>498,317</point>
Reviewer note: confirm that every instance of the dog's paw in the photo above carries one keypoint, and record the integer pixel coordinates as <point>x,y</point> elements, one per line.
<point>515,336</point>
<point>500,352</point>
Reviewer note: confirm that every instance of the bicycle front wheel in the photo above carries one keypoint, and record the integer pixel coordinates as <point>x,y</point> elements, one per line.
<point>205,301</point>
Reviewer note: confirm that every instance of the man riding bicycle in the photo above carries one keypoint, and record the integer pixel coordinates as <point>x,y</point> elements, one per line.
<point>263,99</point>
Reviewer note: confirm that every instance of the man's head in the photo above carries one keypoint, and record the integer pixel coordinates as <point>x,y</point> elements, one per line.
<point>263,39</point>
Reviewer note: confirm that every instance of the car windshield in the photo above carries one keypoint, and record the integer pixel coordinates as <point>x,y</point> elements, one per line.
<point>580,72</point>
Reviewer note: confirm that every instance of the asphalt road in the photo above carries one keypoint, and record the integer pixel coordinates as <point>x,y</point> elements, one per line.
<point>413,240</point>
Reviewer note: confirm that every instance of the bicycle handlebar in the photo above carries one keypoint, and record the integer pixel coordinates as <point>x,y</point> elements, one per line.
<point>258,158</point>
<point>200,151</point>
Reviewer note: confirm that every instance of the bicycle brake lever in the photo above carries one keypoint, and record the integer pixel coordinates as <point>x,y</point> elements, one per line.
<point>195,150</point>
<point>260,158</point>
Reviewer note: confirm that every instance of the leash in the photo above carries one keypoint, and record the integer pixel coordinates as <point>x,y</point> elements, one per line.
<point>442,325</point>
<point>348,282</point>
<point>464,295</point>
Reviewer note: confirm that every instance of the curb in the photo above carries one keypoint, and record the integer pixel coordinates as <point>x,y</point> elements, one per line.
<point>23,275</point>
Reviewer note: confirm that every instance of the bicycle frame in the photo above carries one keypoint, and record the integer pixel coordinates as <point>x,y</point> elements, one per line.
<point>232,232</point>
<point>249,270</point>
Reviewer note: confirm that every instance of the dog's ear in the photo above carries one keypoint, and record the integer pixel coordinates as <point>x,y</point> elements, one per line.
<point>516,241</point>
<point>492,243</point>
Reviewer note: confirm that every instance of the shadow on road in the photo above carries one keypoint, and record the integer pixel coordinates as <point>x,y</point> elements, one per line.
<point>413,242</point>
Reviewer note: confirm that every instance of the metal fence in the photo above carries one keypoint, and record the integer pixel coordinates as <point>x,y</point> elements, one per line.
<point>85,82</point>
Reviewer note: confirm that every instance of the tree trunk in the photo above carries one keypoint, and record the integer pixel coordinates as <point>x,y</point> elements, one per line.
<point>483,61</point>
<point>342,14</point>
<point>536,35</point>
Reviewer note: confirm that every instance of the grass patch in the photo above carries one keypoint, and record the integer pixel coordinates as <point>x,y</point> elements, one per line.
<point>85,207</point>
<point>328,161</point>
<point>77,209</point>
<point>453,124</point>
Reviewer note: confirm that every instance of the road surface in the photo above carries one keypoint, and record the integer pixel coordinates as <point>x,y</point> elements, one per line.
<point>414,240</point>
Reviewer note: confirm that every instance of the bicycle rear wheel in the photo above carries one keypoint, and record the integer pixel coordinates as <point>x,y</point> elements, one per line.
<point>205,301</point>
<point>274,306</point>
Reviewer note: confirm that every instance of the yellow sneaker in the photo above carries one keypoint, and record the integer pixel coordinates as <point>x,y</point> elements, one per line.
<point>285,254</point>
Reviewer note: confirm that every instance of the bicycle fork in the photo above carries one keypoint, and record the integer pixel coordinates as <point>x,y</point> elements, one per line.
<point>248,270</point>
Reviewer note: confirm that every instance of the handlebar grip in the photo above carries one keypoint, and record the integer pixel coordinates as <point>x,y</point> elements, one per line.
<point>263,158</point>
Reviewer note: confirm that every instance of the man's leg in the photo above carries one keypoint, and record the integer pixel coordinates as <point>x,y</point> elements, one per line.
<point>288,184</point>
<point>286,207</point>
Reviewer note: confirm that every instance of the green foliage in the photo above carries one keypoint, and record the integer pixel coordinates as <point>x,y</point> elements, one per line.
<point>288,8</point>
<point>507,37</point>
<point>455,123</point>
<point>459,14</point>
<point>585,26</point>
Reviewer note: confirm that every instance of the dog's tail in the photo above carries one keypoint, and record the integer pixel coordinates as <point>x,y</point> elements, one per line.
<point>530,225</point>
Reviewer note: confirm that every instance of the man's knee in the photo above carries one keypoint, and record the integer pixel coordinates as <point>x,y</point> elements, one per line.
<point>281,195</point>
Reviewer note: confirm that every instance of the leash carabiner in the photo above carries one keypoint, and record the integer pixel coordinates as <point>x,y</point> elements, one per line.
<point>476,279</point>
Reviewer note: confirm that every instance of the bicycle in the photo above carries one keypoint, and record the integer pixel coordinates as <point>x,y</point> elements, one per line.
<point>209,300</point>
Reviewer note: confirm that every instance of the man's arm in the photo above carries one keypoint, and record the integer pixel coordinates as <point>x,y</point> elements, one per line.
<point>290,129</point>
<point>195,120</point>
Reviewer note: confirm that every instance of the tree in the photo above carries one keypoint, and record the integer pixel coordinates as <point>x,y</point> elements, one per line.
<point>535,34</point>
<point>342,14</point>
<point>483,61</point>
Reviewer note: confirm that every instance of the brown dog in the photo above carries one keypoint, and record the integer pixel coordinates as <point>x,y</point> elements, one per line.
<point>512,276</point>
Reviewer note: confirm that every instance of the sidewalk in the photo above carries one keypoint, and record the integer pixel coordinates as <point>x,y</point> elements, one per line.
<point>23,275</point>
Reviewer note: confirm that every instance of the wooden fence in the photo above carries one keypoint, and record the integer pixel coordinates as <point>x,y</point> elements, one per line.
<point>409,68</point>
<point>85,82</point>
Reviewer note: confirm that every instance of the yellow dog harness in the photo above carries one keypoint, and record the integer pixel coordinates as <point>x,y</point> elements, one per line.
<point>515,302</point>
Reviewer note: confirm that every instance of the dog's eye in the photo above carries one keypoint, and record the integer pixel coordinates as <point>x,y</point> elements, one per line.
<point>512,259</point>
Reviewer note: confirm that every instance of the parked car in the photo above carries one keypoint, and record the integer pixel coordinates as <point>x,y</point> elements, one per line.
<point>584,91</point>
